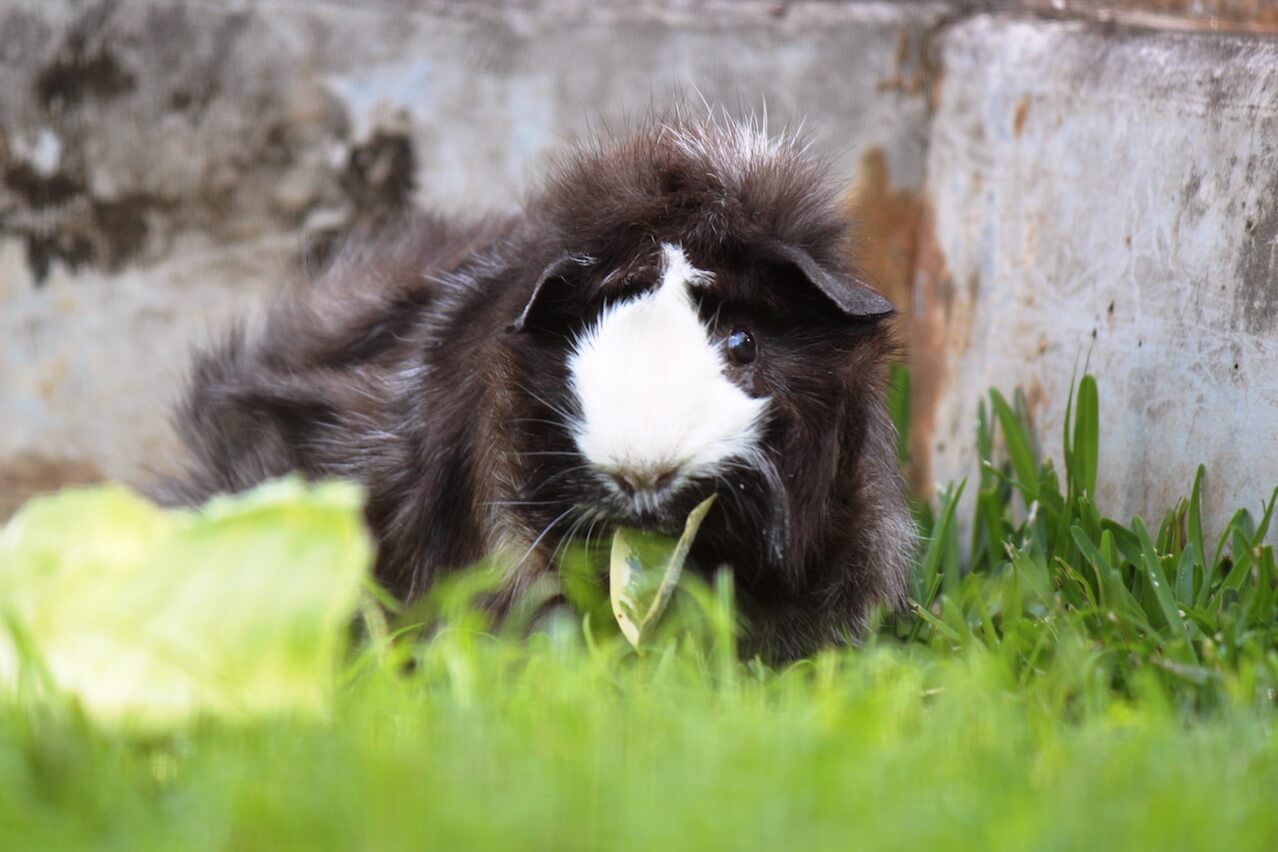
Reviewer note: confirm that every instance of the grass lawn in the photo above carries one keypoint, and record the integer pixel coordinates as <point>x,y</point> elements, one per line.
<point>1064,681</point>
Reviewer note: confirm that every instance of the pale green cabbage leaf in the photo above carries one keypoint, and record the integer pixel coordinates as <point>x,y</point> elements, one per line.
<point>151,618</point>
<point>644,570</point>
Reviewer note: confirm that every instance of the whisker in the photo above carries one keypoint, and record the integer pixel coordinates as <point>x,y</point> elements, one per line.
<point>539,420</point>
<point>567,538</point>
<point>543,534</point>
<point>552,478</point>
<point>555,408</point>
<point>597,518</point>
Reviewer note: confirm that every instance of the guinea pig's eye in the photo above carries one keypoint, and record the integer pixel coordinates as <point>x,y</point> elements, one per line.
<point>741,347</point>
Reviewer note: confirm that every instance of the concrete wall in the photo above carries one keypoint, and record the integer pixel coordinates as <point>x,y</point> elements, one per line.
<point>1111,194</point>
<point>166,164</point>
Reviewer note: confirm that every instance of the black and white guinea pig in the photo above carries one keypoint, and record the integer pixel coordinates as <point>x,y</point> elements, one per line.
<point>672,314</point>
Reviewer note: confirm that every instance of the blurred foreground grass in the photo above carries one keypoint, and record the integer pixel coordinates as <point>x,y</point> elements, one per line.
<point>1065,681</point>
<point>491,746</point>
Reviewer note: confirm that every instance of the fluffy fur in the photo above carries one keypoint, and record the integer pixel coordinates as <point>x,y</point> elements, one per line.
<point>488,382</point>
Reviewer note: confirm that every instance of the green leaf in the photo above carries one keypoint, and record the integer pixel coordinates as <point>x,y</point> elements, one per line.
<point>1185,576</point>
<point>581,567</point>
<point>1086,436</point>
<point>898,406</point>
<point>152,617</point>
<point>1263,613</point>
<point>1116,594</point>
<point>935,623</point>
<point>984,445</point>
<point>1033,577</point>
<point>1018,446</point>
<point>1194,530</point>
<point>1240,521</point>
<point>645,568</point>
<point>1100,568</point>
<point>1162,594</point>
<point>1261,531</point>
<point>1242,556</point>
<point>990,514</point>
<point>938,544</point>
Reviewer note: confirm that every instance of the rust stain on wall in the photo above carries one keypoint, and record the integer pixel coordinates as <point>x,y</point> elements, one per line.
<point>885,230</point>
<point>1022,113</point>
<point>911,74</point>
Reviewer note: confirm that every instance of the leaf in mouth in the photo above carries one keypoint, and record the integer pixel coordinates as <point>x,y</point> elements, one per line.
<point>644,571</point>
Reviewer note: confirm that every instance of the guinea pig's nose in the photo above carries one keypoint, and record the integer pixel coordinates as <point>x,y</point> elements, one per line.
<point>631,481</point>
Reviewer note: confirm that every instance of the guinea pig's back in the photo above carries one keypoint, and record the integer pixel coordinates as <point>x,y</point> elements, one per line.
<point>319,387</point>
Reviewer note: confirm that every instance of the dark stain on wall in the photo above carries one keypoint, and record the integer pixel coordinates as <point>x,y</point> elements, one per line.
<point>76,75</point>
<point>84,68</point>
<point>1256,300</point>
<point>64,223</point>
<point>38,190</point>
<point>379,180</point>
<point>380,174</point>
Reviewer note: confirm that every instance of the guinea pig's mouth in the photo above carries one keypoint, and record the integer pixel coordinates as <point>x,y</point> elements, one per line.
<point>665,518</point>
<point>749,524</point>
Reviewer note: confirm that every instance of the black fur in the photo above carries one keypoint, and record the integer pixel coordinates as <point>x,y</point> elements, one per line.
<point>429,363</point>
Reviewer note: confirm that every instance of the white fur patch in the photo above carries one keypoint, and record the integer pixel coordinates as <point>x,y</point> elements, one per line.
<point>653,394</point>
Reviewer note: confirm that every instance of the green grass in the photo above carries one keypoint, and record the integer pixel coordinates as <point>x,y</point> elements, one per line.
<point>488,746</point>
<point>1064,681</point>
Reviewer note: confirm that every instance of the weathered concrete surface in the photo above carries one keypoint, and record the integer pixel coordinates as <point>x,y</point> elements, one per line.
<point>1112,192</point>
<point>162,163</point>
<point>89,363</point>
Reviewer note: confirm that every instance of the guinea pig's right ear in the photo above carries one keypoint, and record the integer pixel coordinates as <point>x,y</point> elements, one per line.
<point>856,299</point>
<point>554,273</point>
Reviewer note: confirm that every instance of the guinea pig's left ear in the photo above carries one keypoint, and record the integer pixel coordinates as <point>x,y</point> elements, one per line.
<point>555,272</point>
<point>854,298</point>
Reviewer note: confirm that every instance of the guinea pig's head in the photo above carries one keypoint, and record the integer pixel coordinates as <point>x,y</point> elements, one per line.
<point>692,326</point>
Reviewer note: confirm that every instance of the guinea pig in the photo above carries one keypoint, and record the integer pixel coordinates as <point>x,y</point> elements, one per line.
<point>672,314</point>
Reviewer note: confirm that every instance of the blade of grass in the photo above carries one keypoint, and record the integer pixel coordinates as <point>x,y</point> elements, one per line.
<point>1194,531</point>
<point>936,548</point>
<point>1158,583</point>
<point>1242,557</point>
<point>898,406</point>
<point>1018,447</point>
<point>1185,576</point>
<point>1263,529</point>
<point>1261,613</point>
<point>935,623</point>
<point>990,513</point>
<point>1119,597</point>
<point>1086,436</point>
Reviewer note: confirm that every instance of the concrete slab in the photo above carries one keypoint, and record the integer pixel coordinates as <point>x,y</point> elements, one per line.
<point>1112,193</point>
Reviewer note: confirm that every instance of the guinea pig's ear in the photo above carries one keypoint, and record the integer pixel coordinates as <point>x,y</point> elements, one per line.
<point>854,298</point>
<point>555,272</point>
